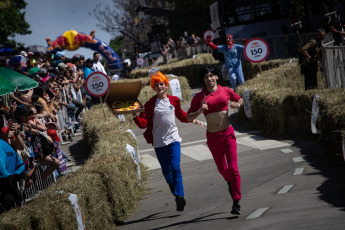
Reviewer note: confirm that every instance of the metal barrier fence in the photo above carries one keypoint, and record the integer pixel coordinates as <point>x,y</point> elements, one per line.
<point>281,47</point>
<point>334,66</point>
<point>284,47</point>
<point>38,184</point>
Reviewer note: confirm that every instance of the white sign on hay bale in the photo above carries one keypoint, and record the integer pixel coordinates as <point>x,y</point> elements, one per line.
<point>131,132</point>
<point>175,88</point>
<point>225,73</point>
<point>74,201</point>
<point>131,151</point>
<point>121,117</point>
<point>314,115</point>
<point>247,108</point>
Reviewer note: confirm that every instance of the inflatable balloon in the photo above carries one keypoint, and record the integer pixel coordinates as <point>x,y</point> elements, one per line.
<point>71,40</point>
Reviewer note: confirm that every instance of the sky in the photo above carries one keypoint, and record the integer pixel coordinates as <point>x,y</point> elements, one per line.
<point>51,18</point>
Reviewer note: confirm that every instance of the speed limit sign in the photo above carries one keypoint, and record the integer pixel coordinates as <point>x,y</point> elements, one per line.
<point>256,50</point>
<point>140,61</point>
<point>97,84</point>
<point>208,33</point>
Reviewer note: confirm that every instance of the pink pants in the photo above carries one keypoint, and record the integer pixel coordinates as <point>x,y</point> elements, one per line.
<point>224,151</point>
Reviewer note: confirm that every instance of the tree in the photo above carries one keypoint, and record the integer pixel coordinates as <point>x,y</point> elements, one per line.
<point>117,44</point>
<point>121,19</point>
<point>12,20</point>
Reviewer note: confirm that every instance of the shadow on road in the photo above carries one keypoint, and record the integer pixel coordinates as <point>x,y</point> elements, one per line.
<point>195,220</point>
<point>79,151</point>
<point>331,167</point>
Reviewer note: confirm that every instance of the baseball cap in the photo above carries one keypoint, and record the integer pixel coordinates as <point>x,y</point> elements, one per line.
<point>59,54</point>
<point>61,65</point>
<point>70,65</point>
<point>53,134</point>
<point>23,53</point>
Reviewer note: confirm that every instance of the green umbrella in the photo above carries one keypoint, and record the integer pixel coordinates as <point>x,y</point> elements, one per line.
<point>20,81</point>
<point>6,86</point>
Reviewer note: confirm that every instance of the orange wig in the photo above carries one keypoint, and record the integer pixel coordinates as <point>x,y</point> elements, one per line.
<point>158,77</point>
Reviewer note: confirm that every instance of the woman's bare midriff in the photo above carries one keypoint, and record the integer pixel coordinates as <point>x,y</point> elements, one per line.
<point>217,121</point>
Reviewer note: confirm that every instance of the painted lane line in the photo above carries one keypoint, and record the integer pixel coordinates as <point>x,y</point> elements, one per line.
<point>286,150</point>
<point>285,189</point>
<point>197,152</point>
<point>298,171</point>
<point>297,159</point>
<point>257,213</point>
<point>149,161</point>
<point>260,143</point>
<point>194,142</point>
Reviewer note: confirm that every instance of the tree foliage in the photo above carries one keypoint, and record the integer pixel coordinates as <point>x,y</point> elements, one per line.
<point>120,19</point>
<point>12,19</point>
<point>116,44</point>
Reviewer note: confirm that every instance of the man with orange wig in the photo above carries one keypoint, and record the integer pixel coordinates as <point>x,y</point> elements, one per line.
<point>162,133</point>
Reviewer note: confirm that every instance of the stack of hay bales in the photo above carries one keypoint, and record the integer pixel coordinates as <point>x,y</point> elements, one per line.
<point>107,186</point>
<point>281,106</point>
<point>190,68</point>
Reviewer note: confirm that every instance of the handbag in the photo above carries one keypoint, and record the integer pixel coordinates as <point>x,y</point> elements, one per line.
<point>42,146</point>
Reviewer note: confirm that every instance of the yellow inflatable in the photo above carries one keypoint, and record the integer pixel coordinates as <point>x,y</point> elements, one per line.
<point>70,36</point>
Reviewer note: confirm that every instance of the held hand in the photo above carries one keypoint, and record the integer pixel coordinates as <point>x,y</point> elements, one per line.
<point>235,105</point>
<point>204,106</point>
<point>195,121</point>
<point>208,39</point>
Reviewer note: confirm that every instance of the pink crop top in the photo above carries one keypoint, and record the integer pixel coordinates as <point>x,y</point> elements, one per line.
<point>216,101</point>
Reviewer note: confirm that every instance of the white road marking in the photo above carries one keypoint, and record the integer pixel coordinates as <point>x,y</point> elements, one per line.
<point>197,152</point>
<point>297,159</point>
<point>146,150</point>
<point>260,142</point>
<point>150,162</point>
<point>286,150</point>
<point>285,189</point>
<point>194,142</point>
<point>298,171</point>
<point>257,213</point>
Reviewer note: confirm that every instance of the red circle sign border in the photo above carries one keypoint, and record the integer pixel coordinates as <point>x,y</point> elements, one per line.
<point>87,79</point>
<point>140,58</point>
<point>206,32</point>
<point>245,53</point>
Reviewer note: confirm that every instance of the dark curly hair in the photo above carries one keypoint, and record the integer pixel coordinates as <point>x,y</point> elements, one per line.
<point>207,69</point>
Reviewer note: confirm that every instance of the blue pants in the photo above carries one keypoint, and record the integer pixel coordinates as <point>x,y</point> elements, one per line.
<point>236,73</point>
<point>169,158</point>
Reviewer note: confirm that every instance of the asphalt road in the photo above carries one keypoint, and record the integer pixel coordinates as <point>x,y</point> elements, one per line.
<point>286,184</point>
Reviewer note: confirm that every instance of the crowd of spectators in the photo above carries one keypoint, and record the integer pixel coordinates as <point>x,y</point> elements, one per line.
<point>186,46</point>
<point>36,122</point>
